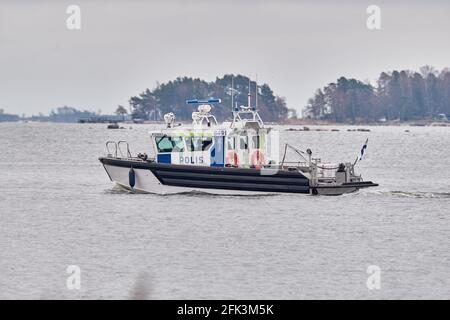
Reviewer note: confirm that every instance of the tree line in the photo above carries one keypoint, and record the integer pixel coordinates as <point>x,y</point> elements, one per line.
<point>172,96</point>
<point>397,95</point>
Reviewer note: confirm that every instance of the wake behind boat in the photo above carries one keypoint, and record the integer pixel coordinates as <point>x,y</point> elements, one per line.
<point>236,157</point>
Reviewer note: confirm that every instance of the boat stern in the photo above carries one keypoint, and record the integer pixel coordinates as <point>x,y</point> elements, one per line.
<point>336,190</point>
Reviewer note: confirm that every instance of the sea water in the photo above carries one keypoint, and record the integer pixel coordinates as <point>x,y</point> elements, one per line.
<point>59,209</point>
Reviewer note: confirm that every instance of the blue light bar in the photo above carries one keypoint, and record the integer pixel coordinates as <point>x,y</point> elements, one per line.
<point>196,101</point>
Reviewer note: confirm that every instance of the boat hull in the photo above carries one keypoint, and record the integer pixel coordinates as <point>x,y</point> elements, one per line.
<point>168,178</point>
<point>161,178</point>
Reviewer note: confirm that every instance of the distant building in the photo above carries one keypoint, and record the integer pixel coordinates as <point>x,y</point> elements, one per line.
<point>104,118</point>
<point>4,117</point>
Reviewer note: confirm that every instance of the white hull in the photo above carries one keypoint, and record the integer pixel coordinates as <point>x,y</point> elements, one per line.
<point>146,182</point>
<point>336,191</point>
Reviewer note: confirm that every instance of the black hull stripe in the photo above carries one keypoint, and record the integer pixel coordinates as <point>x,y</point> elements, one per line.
<point>236,186</point>
<point>164,175</point>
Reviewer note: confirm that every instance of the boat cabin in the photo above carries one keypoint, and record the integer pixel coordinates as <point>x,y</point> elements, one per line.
<point>243,142</point>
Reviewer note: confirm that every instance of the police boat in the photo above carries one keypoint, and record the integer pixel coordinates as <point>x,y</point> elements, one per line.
<point>241,156</point>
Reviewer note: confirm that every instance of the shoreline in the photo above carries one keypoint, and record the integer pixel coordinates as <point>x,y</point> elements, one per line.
<point>417,123</point>
<point>291,122</point>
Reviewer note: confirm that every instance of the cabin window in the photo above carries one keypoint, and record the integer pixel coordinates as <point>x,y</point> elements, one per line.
<point>178,144</point>
<point>255,141</point>
<point>189,144</point>
<point>164,144</point>
<point>244,143</point>
<point>206,143</point>
<point>198,143</point>
<point>231,143</point>
<point>169,144</point>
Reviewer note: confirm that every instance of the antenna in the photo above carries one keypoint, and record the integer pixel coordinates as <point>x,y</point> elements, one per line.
<point>232,93</point>
<point>249,94</point>
<point>256,95</point>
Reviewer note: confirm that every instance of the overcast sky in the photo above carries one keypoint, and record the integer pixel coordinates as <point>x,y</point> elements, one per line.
<point>124,47</point>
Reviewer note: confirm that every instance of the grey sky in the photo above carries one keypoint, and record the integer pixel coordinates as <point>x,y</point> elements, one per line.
<point>124,47</point>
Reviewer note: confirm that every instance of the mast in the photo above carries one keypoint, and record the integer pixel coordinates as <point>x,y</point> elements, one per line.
<point>256,94</point>
<point>232,93</point>
<point>249,94</point>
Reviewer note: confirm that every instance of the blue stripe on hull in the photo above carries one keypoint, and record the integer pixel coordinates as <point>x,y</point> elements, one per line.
<point>164,158</point>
